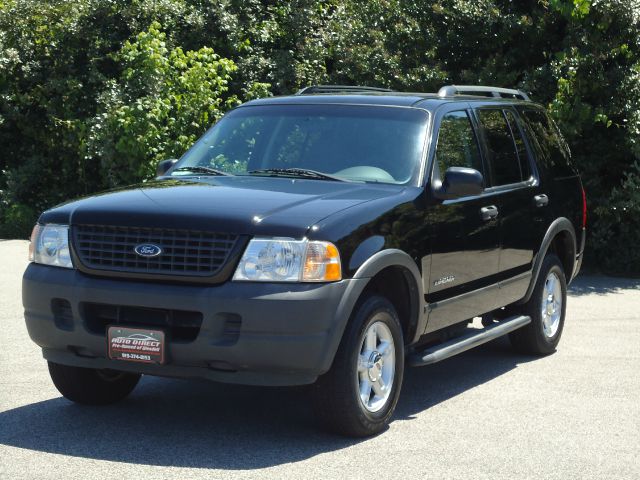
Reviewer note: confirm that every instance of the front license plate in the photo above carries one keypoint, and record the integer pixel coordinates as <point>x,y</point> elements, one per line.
<point>136,345</point>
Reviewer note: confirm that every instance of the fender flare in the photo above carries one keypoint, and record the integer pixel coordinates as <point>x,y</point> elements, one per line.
<point>397,258</point>
<point>559,225</point>
<point>357,284</point>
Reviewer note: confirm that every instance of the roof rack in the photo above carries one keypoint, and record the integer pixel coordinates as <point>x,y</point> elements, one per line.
<point>340,89</point>
<point>497,92</point>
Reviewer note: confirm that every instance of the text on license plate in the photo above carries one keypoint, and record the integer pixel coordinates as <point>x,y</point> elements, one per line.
<point>136,345</point>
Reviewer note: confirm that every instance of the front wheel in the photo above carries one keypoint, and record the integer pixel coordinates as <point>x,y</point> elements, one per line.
<point>358,396</point>
<point>90,386</point>
<point>547,308</point>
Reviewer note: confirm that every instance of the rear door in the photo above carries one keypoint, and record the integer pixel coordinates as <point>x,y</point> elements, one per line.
<point>516,188</point>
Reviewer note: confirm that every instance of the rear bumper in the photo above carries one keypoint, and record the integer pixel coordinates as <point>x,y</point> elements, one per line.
<point>284,334</point>
<point>579,256</point>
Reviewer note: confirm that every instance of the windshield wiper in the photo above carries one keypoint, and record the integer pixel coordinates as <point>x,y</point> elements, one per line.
<point>296,172</point>
<point>202,170</point>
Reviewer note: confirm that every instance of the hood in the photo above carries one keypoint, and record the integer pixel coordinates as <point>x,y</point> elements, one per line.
<point>240,205</point>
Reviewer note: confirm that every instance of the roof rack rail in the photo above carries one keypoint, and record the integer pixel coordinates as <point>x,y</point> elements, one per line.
<point>497,92</point>
<point>340,89</point>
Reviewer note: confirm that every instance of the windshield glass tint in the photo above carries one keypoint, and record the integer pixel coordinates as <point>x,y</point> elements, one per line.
<point>359,143</point>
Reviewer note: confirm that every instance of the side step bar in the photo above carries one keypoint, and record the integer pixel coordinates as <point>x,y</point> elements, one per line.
<point>467,341</point>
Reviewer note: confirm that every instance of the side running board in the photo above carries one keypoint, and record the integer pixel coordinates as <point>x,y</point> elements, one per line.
<point>467,341</point>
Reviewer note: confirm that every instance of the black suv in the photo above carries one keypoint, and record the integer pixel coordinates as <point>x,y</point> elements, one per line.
<point>326,238</point>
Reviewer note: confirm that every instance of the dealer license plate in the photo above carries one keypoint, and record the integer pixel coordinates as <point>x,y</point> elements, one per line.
<point>136,345</point>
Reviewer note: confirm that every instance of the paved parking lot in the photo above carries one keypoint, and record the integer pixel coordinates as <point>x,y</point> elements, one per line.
<point>485,414</point>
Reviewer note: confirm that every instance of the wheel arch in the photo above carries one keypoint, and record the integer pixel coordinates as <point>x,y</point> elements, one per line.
<point>560,239</point>
<point>395,275</point>
<point>363,281</point>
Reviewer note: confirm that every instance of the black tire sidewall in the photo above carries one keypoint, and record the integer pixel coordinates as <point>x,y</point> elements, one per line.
<point>89,386</point>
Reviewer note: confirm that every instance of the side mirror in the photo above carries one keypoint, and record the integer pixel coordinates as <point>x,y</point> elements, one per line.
<point>460,182</point>
<point>164,166</point>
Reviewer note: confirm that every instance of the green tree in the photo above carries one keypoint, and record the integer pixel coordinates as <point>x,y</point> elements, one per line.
<point>55,61</point>
<point>160,104</point>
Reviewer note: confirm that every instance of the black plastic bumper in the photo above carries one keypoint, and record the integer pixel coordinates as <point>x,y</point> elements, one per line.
<point>288,333</point>
<point>579,256</point>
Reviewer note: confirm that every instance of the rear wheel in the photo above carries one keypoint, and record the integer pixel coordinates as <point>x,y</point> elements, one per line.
<point>546,307</point>
<point>358,396</point>
<point>90,386</point>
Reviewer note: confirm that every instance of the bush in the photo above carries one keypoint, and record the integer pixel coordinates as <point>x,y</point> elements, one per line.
<point>17,221</point>
<point>616,232</point>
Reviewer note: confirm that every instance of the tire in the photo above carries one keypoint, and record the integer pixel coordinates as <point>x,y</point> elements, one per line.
<point>542,335</point>
<point>339,404</point>
<point>89,386</point>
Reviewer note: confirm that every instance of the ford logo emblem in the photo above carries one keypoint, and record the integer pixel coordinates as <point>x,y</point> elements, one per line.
<point>148,250</point>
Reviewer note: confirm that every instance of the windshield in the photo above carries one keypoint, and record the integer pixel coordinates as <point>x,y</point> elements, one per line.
<point>351,143</point>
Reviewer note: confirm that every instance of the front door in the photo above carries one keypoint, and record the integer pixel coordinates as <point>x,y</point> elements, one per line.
<point>464,238</point>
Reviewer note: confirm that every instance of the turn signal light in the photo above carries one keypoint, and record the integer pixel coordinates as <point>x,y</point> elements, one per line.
<point>322,263</point>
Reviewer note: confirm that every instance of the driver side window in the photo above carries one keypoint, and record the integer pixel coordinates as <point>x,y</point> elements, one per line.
<point>457,145</point>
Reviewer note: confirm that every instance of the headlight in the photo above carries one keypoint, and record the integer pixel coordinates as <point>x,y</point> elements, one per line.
<point>288,260</point>
<point>50,246</point>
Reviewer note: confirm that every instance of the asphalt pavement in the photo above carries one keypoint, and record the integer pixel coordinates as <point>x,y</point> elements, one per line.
<point>488,413</point>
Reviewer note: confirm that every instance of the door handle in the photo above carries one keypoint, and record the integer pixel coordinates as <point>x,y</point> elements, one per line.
<point>541,200</point>
<point>489,213</point>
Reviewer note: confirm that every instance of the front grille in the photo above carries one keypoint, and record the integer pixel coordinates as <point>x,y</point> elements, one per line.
<point>185,253</point>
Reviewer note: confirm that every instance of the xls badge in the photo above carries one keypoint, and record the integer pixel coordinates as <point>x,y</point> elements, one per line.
<point>443,280</point>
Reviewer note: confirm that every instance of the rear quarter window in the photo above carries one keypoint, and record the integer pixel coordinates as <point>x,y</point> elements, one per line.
<point>546,140</point>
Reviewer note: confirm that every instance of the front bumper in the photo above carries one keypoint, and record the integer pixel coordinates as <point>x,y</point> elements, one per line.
<point>285,334</point>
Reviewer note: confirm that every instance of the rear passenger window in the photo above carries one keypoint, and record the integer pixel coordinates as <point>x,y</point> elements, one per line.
<point>523,156</point>
<point>503,157</point>
<point>546,141</point>
<point>457,145</point>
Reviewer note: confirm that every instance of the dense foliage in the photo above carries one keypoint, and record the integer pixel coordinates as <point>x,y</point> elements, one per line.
<point>94,92</point>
